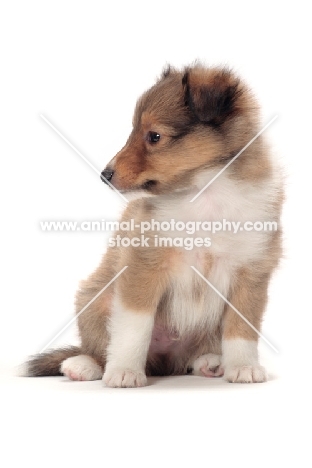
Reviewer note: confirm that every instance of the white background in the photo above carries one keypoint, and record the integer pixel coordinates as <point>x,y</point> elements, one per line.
<point>83,65</point>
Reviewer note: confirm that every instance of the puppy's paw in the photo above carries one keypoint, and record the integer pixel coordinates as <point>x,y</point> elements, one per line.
<point>117,377</point>
<point>208,365</point>
<point>81,368</point>
<point>245,374</point>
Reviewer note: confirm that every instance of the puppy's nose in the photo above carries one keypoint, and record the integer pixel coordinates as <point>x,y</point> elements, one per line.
<point>107,175</point>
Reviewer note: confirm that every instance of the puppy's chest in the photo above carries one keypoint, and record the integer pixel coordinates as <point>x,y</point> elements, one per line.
<point>220,215</point>
<point>191,302</point>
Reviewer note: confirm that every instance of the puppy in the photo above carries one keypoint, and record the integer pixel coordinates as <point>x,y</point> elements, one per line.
<point>177,310</point>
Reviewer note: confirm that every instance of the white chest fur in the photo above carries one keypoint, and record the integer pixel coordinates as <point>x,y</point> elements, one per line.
<point>230,203</point>
<point>192,300</point>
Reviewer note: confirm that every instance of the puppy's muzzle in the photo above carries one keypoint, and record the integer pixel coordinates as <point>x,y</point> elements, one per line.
<point>107,175</point>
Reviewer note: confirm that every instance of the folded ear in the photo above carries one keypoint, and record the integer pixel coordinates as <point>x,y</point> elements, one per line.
<point>211,94</point>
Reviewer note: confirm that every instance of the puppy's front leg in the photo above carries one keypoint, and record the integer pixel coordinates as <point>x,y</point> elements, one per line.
<point>137,295</point>
<point>239,340</point>
<point>131,332</point>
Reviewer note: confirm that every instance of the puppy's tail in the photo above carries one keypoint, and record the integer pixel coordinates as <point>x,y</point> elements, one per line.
<point>48,363</point>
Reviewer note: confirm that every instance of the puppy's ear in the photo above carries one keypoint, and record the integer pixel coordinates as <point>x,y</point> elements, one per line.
<point>211,95</point>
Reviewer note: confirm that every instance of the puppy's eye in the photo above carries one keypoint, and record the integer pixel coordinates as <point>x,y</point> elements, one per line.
<point>153,137</point>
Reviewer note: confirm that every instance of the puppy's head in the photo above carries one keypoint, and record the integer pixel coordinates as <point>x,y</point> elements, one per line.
<point>188,121</point>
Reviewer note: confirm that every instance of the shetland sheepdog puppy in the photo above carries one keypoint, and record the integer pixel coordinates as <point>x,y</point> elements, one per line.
<point>177,310</point>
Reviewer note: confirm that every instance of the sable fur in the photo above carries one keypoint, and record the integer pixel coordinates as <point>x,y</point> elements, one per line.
<point>205,117</point>
<point>48,363</point>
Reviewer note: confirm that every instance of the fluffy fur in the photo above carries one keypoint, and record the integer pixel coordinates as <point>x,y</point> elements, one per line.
<point>159,317</point>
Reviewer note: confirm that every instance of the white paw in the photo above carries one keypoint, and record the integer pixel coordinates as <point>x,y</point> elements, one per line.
<point>81,368</point>
<point>246,374</point>
<point>124,378</point>
<point>208,365</point>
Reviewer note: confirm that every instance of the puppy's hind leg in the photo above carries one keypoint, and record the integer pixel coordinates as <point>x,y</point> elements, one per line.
<point>208,365</point>
<point>93,315</point>
<point>81,367</point>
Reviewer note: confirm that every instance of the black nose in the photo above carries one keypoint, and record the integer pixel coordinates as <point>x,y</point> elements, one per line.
<point>107,175</point>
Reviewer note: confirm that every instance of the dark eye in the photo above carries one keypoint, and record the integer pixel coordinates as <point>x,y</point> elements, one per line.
<point>153,137</point>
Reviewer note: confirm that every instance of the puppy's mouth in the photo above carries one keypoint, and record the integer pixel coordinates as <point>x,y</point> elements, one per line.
<point>149,185</point>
